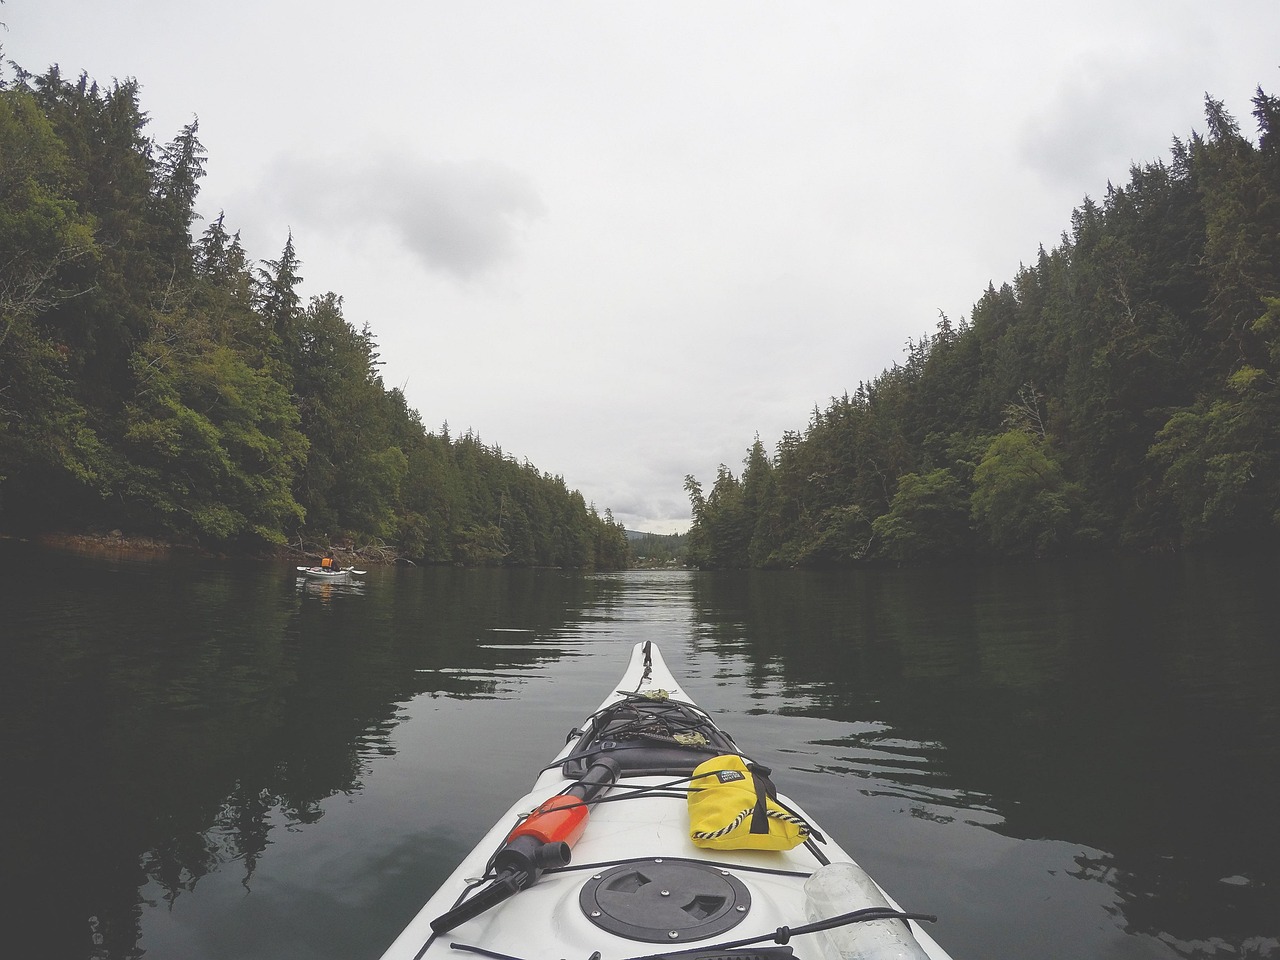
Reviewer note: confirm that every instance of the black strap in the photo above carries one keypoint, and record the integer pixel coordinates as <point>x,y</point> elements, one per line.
<point>764,790</point>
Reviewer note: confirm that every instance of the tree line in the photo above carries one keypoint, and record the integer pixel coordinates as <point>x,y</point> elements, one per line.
<point>657,549</point>
<point>166,383</point>
<point>1123,391</point>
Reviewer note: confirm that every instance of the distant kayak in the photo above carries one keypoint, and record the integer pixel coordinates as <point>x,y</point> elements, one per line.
<point>329,573</point>
<point>681,850</point>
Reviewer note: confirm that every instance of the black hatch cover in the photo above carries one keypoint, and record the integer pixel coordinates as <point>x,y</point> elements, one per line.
<point>665,901</point>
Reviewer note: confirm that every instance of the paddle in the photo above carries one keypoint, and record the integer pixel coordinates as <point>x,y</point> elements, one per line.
<point>541,840</point>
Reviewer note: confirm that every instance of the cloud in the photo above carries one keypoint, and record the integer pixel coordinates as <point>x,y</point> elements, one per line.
<point>638,508</point>
<point>462,219</point>
<point>1090,129</point>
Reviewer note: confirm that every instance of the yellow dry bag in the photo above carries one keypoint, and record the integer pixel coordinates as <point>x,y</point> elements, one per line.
<point>732,807</point>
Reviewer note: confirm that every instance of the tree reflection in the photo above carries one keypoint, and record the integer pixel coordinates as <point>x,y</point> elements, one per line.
<point>168,717</point>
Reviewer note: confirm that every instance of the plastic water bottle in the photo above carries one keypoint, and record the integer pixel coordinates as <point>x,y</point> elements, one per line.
<point>842,888</point>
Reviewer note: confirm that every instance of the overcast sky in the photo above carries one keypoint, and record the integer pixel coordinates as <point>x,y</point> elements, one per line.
<point>620,239</point>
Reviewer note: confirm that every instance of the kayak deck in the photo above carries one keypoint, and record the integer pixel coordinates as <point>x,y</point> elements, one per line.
<point>636,885</point>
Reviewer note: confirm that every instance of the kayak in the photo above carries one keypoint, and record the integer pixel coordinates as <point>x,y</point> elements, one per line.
<point>651,835</point>
<point>328,573</point>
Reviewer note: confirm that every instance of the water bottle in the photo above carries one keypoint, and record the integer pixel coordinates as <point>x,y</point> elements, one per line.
<point>842,888</point>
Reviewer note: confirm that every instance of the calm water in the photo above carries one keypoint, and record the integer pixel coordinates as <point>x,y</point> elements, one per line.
<point>205,760</point>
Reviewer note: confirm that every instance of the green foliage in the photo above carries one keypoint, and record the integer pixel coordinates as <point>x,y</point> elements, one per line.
<point>610,547</point>
<point>352,477</point>
<point>1021,504</point>
<point>727,521</point>
<point>212,443</point>
<point>1219,461</point>
<point>698,533</point>
<point>177,184</point>
<point>111,180</point>
<point>1120,389</point>
<point>659,550</point>
<point>279,302</point>
<point>927,520</point>
<point>179,388</point>
<point>47,442</point>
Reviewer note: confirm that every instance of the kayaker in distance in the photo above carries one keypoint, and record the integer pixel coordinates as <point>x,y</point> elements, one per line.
<point>326,562</point>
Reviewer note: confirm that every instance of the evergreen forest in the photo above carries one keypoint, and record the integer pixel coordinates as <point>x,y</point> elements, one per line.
<point>657,549</point>
<point>1122,392</point>
<point>156,379</point>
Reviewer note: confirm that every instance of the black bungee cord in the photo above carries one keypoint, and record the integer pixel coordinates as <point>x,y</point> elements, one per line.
<point>782,935</point>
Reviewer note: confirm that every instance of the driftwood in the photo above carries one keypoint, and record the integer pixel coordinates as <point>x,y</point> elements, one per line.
<point>346,553</point>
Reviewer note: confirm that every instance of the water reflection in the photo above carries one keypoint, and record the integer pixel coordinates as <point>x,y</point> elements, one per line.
<point>166,719</point>
<point>327,590</point>
<point>1128,706</point>
<point>210,760</point>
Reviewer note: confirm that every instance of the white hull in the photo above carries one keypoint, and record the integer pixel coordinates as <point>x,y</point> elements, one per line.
<point>547,921</point>
<point>320,573</point>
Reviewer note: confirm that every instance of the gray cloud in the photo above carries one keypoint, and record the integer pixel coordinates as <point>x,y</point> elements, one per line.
<point>456,218</point>
<point>1097,122</point>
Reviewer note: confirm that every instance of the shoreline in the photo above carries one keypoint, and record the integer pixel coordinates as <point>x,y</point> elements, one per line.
<point>116,543</point>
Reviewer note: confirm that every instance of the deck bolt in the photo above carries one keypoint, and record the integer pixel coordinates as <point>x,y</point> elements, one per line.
<point>665,893</point>
<point>595,913</point>
<point>740,908</point>
<point>674,934</point>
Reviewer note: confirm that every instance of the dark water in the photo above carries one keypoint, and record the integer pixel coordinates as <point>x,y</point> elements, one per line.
<point>205,760</point>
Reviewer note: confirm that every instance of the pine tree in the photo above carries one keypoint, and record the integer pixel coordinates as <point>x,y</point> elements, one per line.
<point>177,184</point>
<point>279,302</point>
